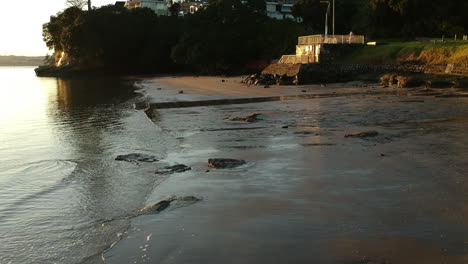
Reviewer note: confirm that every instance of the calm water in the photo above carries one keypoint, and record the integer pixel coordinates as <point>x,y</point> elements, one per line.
<point>58,177</point>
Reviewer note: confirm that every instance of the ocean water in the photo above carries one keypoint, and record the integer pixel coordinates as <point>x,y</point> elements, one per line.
<point>59,180</point>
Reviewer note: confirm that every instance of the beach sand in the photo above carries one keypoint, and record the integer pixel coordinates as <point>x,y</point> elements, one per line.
<point>307,194</point>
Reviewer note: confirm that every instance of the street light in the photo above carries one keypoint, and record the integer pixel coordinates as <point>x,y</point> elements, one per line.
<point>326,17</point>
<point>333,17</point>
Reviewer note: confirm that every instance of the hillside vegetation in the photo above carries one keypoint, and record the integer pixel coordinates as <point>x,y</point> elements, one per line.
<point>412,52</point>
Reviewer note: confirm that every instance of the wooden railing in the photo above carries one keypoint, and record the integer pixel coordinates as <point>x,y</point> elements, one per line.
<point>330,39</point>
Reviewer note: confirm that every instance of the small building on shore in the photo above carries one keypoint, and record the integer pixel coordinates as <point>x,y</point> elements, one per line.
<point>318,48</point>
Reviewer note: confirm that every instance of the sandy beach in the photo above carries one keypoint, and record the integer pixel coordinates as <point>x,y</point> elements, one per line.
<point>308,193</point>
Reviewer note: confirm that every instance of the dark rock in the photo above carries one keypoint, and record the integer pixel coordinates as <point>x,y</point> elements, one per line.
<point>249,118</point>
<point>363,134</point>
<point>223,80</point>
<point>285,127</point>
<point>181,92</point>
<point>178,168</point>
<point>157,207</point>
<point>189,199</point>
<point>304,91</point>
<point>161,205</point>
<point>135,157</point>
<point>225,163</point>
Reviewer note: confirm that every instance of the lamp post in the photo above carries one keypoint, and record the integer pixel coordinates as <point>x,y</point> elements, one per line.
<point>326,16</point>
<point>333,17</point>
<point>89,5</point>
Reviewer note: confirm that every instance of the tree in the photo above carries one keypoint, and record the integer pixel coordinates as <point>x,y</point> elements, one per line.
<point>174,9</point>
<point>76,3</point>
<point>312,13</point>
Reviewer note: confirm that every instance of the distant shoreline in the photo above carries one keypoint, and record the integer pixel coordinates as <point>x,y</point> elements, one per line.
<point>12,60</point>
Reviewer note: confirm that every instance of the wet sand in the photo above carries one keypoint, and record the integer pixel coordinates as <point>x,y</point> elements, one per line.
<point>307,193</point>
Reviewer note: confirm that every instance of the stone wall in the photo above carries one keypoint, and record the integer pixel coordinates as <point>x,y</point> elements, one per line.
<point>339,72</point>
<point>290,70</point>
<point>449,69</point>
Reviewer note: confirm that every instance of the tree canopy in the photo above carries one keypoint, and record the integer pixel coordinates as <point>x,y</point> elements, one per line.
<point>222,38</point>
<point>389,18</point>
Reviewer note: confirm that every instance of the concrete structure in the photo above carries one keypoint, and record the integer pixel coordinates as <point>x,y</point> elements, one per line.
<point>280,9</point>
<point>160,7</point>
<point>310,49</point>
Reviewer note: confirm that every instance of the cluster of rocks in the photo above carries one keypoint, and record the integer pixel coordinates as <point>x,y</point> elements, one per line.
<point>218,163</point>
<point>269,79</point>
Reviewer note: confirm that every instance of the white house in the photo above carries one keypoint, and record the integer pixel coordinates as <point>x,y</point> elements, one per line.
<point>280,9</point>
<point>160,7</point>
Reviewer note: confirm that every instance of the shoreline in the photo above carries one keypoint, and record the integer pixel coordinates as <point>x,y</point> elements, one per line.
<point>283,199</point>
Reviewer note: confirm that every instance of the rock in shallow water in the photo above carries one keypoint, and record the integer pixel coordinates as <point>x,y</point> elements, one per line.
<point>173,169</point>
<point>225,163</point>
<point>134,157</point>
<point>249,118</point>
<point>161,205</point>
<point>363,134</point>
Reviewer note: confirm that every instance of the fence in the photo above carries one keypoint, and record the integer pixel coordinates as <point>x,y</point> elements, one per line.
<point>331,39</point>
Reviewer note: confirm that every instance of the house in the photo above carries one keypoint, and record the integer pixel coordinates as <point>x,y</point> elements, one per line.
<point>120,4</point>
<point>190,7</point>
<point>320,48</point>
<point>280,9</point>
<point>160,7</point>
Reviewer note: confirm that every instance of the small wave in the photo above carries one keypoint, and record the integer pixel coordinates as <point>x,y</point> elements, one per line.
<point>38,179</point>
